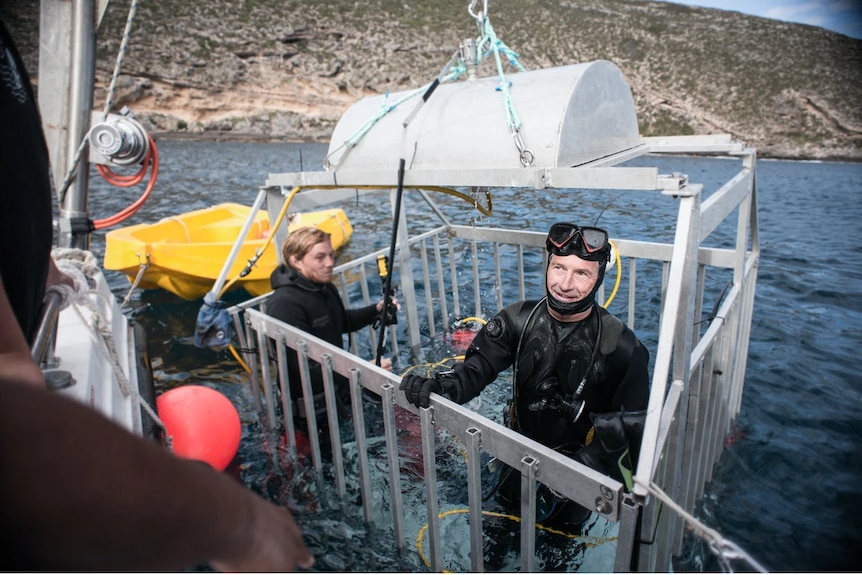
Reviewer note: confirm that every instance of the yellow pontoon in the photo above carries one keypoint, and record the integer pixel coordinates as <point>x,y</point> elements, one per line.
<point>185,253</point>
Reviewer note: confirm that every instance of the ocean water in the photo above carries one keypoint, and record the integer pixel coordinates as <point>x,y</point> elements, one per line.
<point>787,488</point>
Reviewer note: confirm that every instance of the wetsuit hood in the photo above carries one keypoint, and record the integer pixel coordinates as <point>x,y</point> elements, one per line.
<point>284,275</point>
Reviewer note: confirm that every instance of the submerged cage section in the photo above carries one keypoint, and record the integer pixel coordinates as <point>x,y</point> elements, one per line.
<point>690,300</point>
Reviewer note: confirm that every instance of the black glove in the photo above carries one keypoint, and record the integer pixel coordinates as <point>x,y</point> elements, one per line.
<point>418,390</point>
<point>616,444</point>
<point>389,315</point>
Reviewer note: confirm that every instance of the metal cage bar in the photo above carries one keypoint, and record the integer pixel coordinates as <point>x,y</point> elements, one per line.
<point>697,379</point>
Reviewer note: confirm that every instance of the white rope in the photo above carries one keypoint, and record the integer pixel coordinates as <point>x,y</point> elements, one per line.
<point>121,55</point>
<point>166,437</point>
<point>83,268</point>
<point>81,265</point>
<point>724,549</point>
<point>141,270</point>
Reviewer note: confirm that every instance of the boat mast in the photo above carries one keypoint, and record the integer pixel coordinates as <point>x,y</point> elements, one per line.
<point>67,56</point>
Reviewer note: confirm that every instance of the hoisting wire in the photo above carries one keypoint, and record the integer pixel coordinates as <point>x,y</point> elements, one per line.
<point>121,55</point>
<point>724,549</point>
<point>495,45</point>
<point>349,143</point>
<point>480,16</point>
<point>452,71</point>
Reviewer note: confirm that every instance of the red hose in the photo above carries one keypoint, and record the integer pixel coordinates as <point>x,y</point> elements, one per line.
<point>151,160</point>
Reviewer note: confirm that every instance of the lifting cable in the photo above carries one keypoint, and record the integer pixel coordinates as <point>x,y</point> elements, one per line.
<point>450,72</point>
<point>109,101</point>
<point>487,43</point>
<point>490,39</point>
<point>724,549</point>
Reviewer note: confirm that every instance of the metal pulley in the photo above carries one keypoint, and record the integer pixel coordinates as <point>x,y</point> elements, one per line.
<point>468,53</point>
<point>118,139</point>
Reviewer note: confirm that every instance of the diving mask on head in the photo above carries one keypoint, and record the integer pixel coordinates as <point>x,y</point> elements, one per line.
<point>588,243</point>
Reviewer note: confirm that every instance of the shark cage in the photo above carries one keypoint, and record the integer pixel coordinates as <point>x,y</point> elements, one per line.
<point>692,295</point>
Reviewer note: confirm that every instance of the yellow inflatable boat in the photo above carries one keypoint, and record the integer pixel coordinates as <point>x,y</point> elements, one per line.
<point>184,254</point>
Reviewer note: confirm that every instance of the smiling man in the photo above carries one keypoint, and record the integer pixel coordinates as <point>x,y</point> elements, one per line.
<point>581,381</point>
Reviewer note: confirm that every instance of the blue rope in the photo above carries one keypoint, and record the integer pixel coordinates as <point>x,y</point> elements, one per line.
<point>384,109</point>
<point>495,45</point>
<point>455,69</point>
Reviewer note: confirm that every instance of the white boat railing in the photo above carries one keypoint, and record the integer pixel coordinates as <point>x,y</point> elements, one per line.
<point>90,351</point>
<point>698,365</point>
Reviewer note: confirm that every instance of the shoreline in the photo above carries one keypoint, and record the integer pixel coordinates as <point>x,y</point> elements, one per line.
<point>215,136</point>
<point>221,136</point>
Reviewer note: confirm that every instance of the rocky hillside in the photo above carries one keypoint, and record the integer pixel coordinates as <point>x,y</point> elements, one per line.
<point>288,69</point>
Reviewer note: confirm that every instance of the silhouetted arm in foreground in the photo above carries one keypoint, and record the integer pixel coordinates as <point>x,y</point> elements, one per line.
<point>78,492</point>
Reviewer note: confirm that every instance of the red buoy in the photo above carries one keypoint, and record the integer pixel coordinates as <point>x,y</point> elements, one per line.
<point>203,424</point>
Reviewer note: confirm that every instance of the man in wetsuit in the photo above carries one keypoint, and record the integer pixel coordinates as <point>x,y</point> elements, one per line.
<point>304,297</point>
<point>580,375</point>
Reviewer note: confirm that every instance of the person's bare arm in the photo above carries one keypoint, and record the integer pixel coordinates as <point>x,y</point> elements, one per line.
<point>77,492</point>
<point>15,359</point>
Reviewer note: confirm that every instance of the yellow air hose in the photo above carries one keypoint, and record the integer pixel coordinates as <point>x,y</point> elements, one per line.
<point>272,228</point>
<point>590,541</point>
<point>618,264</point>
<point>252,263</point>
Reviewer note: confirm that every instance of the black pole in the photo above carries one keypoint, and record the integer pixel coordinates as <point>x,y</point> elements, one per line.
<point>387,285</point>
<point>399,191</point>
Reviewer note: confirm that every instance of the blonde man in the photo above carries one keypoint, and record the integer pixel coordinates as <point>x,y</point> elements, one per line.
<point>304,297</point>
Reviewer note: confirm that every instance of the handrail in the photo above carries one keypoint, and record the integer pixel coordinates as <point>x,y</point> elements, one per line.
<point>47,328</point>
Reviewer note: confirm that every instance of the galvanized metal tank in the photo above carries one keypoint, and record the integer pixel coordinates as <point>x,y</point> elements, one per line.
<point>569,116</point>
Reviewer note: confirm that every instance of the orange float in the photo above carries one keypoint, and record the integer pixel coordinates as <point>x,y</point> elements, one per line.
<point>203,424</point>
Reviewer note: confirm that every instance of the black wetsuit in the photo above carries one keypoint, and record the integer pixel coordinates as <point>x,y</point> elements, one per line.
<point>553,349</point>
<point>553,358</point>
<point>25,220</point>
<point>317,309</point>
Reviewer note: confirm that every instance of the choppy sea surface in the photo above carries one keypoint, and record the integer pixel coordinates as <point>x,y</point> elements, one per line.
<point>788,488</point>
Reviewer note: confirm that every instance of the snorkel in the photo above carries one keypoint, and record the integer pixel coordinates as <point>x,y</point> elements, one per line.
<point>588,243</point>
